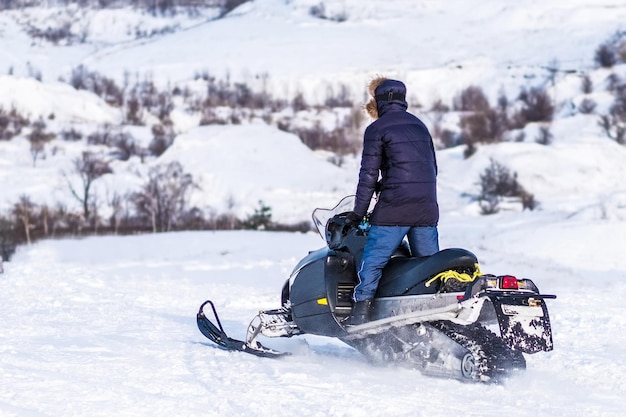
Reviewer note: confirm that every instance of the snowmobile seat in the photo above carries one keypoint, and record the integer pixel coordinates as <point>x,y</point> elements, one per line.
<point>399,276</point>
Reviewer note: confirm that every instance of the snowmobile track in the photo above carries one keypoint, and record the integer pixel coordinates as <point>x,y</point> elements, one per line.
<point>493,359</point>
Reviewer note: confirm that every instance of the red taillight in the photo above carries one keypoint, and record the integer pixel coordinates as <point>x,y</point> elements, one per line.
<point>508,282</point>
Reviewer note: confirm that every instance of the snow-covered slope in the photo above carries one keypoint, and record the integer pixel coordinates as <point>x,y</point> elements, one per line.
<point>106,326</point>
<point>238,165</point>
<point>436,47</point>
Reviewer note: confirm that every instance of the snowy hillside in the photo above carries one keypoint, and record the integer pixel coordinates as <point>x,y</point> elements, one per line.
<point>310,47</point>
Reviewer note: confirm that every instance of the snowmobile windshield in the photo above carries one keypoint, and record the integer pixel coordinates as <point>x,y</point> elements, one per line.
<point>322,216</point>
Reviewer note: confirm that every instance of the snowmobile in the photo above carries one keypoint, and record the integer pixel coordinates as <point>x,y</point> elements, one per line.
<point>439,314</point>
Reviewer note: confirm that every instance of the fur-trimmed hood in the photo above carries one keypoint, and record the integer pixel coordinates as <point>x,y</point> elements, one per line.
<point>384,91</point>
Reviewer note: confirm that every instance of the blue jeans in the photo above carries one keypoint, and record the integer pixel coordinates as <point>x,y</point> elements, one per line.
<point>382,241</point>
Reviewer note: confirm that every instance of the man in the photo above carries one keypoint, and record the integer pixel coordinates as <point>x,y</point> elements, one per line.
<point>398,146</point>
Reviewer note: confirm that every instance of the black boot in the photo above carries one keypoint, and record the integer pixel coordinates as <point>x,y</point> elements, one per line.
<point>360,312</point>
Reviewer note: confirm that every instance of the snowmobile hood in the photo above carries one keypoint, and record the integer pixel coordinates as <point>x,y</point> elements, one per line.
<point>310,258</point>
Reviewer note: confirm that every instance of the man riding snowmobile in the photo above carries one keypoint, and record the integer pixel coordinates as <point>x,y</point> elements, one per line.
<point>439,314</point>
<point>397,147</point>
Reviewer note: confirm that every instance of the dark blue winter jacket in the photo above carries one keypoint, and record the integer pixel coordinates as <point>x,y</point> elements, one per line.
<point>399,147</point>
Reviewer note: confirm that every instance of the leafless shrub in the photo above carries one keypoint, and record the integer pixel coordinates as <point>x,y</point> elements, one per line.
<point>621,49</point>
<point>483,127</point>
<point>497,182</point>
<point>439,106</point>
<point>224,221</point>
<point>479,122</point>
<point>545,136</point>
<point>11,123</point>
<point>123,144</point>
<point>134,110</point>
<point>211,117</point>
<point>520,136</point>
<point>606,56</point>
<point>70,135</point>
<point>437,113</point>
<point>586,85</point>
<point>224,93</point>
<point>83,79</point>
<point>339,98</point>
<point>319,11</point>
<point>162,139</point>
<point>116,203</point>
<point>24,211</point>
<point>341,140</point>
<point>613,83</point>
<point>44,217</point>
<point>537,106</point>
<point>587,106</point>
<point>614,123</point>
<point>450,138</point>
<point>8,239</point>
<point>228,5</point>
<point>38,138</point>
<point>163,108</point>
<point>60,34</point>
<point>104,136</point>
<point>614,127</point>
<point>163,198</point>
<point>472,99</point>
<point>89,168</point>
<point>299,103</point>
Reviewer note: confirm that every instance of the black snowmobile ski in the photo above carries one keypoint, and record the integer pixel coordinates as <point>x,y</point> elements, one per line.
<point>217,335</point>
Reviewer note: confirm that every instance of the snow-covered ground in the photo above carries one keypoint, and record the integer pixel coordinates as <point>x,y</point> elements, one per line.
<point>106,326</point>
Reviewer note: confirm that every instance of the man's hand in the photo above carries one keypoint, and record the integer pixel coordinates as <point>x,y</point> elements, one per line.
<point>353,219</point>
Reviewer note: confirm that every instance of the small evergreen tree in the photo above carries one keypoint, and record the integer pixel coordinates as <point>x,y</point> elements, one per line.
<point>261,219</point>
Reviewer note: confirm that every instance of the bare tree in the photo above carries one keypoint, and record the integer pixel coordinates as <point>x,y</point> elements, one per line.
<point>45,217</point>
<point>11,123</point>
<point>545,136</point>
<point>538,106</point>
<point>117,211</point>
<point>38,139</point>
<point>496,182</point>
<point>24,211</point>
<point>7,238</point>
<point>162,139</point>
<point>472,98</point>
<point>614,123</point>
<point>89,168</point>
<point>163,199</point>
<point>586,85</point>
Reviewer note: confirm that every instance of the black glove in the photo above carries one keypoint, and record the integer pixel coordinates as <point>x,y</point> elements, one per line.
<point>353,219</point>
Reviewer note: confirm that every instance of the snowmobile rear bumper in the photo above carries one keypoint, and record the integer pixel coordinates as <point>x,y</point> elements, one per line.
<point>521,311</point>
